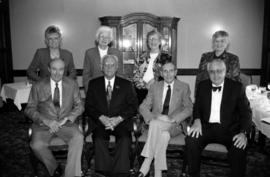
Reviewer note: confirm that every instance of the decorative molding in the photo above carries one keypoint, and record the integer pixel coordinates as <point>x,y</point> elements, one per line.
<point>180,71</point>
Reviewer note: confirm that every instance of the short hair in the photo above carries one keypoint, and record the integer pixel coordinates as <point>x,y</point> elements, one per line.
<point>110,56</point>
<point>52,29</point>
<point>54,60</point>
<point>216,60</point>
<point>102,29</point>
<point>151,33</point>
<point>220,33</point>
<point>169,62</point>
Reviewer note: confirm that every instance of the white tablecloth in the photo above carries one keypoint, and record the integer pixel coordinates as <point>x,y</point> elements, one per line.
<point>18,91</point>
<point>260,109</point>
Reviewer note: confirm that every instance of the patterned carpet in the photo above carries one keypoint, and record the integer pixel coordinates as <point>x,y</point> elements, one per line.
<point>14,154</point>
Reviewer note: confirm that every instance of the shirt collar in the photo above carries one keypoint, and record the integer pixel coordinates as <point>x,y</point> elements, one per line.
<point>54,83</point>
<point>111,81</point>
<point>166,84</point>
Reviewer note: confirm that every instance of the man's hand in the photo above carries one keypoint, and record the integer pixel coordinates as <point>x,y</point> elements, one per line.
<point>240,140</point>
<point>106,122</point>
<point>115,121</point>
<point>164,118</point>
<point>63,121</point>
<point>54,126</point>
<point>196,129</point>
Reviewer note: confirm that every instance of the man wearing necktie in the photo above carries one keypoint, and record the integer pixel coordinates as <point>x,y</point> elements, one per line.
<point>53,105</point>
<point>221,115</point>
<point>110,104</point>
<point>166,104</point>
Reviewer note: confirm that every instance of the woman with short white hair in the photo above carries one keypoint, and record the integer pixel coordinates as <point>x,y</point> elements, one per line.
<point>93,56</point>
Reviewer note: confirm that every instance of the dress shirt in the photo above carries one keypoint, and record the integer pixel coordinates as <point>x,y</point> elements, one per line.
<point>165,88</point>
<point>111,82</point>
<point>102,52</point>
<point>149,74</point>
<point>60,89</point>
<point>215,104</point>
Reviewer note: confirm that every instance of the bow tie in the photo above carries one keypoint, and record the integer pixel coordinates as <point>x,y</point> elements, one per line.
<point>216,88</point>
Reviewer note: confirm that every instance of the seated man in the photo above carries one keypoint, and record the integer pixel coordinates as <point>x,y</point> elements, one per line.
<point>54,104</point>
<point>166,104</point>
<point>221,115</point>
<point>111,103</point>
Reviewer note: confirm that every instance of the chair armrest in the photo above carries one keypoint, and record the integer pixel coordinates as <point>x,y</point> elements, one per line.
<point>138,125</point>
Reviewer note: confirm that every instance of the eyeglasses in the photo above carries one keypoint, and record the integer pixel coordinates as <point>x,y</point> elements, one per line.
<point>218,71</point>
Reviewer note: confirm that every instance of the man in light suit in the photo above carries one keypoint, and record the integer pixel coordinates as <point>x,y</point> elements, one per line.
<point>93,56</point>
<point>221,115</point>
<point>111,102</point>
<point>54,104</point>
<point>167,103</point>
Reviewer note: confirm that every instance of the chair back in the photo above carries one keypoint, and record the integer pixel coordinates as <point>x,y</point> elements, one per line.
<point>245,79</point>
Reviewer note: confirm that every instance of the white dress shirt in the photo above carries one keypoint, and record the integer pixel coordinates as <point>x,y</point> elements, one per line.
<point>165,88</point>
<point>111,82</point>
<point>102,52</point>
<point>149,74</point>
<point>60,89</point>
<point>215,104</point>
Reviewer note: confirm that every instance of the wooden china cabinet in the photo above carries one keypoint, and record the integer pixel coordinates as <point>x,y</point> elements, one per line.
<point>130,35</point>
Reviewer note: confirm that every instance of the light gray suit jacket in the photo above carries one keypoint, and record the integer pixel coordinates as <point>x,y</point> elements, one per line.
<point>180,105</point>
<point>92,64</point>
<point>40,104</point>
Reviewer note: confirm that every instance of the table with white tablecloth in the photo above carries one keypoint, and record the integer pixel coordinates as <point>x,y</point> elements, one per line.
<point>260,105</point>
<point>18,92</point>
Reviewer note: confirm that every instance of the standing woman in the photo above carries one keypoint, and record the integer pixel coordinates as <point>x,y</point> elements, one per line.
<point>220,44</point>
<point>38,68</point>
<point>93,56</point>
<point>148,67</point>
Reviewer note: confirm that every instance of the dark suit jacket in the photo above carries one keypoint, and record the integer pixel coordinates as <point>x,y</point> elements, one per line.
<point>92,64</point>
<point>235,112</point>
<point>123,102</point>
<point>42,59</point>
<point>40,104</point>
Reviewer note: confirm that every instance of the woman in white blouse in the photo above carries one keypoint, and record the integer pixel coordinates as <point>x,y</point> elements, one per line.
<point>147,68</point>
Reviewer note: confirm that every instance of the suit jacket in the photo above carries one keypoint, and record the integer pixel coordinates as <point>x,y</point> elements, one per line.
<point>42,59</point>
<point>231,61</point>
<point>92,64</point>
<point>123,102</point>
<point>180,104</point>
<point>235,112</point>
<point>40,104</point>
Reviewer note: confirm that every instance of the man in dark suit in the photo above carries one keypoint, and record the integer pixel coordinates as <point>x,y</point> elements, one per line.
<point>111,103</point>
<point>53,105</point>
<point>221,115</point>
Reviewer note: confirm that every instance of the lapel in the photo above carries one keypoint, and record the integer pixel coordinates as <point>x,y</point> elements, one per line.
<point>225,95</point>
<point>97,58</point>
<point>175,96</point>
<point>65,95</point>
<point>159,95</point>
<point>116,90</point>
<point>208,97</point>
<point>48,92</point>
<point>102,90</point>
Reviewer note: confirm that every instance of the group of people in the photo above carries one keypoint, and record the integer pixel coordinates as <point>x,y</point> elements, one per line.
<point>220,113</point>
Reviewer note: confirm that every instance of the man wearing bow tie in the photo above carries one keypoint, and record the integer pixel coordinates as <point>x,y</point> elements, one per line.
<point>221,115</point>
<point>53,105</point>
<point>111,103</point>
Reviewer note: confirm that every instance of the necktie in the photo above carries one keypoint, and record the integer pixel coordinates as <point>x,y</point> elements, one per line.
<point>167,101</point>
<point>109,93</point>
<point>216,88</point>
<point>56,96</point>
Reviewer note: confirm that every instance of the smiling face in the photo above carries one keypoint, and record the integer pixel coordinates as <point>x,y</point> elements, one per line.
<point>168,72</point>
<point>109,66</point>
<point>104,38</point>
<point>220,43</point>
<point>217,71</point>
<point>154,42</point>
<point>53,40</point>
<point>57,68</point>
